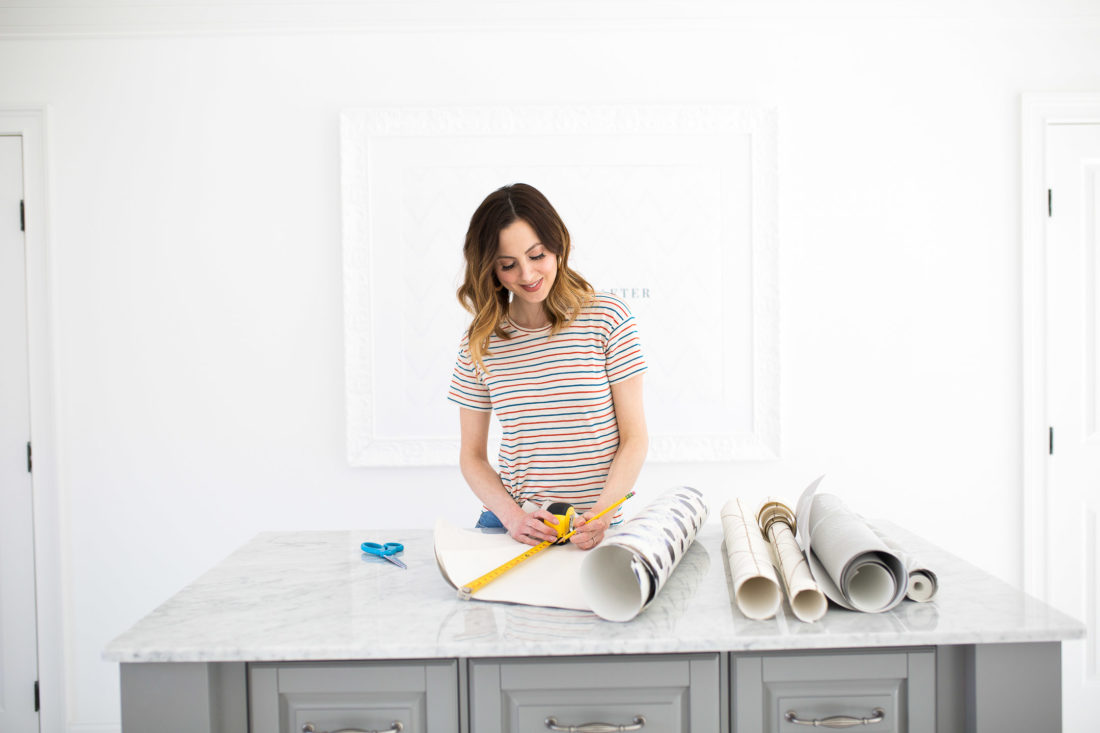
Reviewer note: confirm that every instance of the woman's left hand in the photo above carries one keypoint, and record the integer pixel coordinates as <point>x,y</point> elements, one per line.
<point>590,532</point>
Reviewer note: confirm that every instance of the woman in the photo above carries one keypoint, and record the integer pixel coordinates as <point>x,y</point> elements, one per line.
<point>560,365</point>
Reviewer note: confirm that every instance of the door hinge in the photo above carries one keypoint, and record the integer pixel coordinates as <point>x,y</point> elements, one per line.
<point>37,701</point>
<point>1051,445</point>
<point>30,461</point>
<point>22,218</point>
<point>1050,202</point>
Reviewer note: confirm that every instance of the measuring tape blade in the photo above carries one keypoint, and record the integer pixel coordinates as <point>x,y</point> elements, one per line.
<point>475,585</point>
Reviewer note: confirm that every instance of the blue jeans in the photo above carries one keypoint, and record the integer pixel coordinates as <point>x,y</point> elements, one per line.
<point>488,520</point>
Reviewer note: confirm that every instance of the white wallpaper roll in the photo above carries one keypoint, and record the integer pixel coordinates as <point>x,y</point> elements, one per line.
<point>626,571</point>
<point>923,583</point>
<point>755,587</point>
<point>923,586</point>
<point>853,566</point>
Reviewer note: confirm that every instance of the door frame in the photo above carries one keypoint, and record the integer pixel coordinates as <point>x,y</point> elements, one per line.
<point>31,123</point>
<point>1037,113</point>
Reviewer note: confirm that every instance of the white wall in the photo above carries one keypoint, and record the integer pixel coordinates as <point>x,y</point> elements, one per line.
<point>196,265</point>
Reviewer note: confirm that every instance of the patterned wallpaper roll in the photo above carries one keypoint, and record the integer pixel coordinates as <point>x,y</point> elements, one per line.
<point>806,598</point>
<point>755,586</point>
<point>629,568</point>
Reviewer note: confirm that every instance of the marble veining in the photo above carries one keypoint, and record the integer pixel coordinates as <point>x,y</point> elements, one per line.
<point>315,596</point>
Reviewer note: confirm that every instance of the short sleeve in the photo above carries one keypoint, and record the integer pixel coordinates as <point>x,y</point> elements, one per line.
<point>467,389</point>
<point>624,355</point>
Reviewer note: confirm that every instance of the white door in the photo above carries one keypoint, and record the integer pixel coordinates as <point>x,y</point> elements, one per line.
<point>1073,405</point>
<point>18,628</point>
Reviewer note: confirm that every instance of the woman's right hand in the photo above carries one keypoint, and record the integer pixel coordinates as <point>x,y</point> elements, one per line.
<point>531,529</point>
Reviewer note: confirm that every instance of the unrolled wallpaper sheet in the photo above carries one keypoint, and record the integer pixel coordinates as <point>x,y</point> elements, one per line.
<point>546,579</point>
<point>755,586</point>
<point>853,566</point>
<point>616,580</point>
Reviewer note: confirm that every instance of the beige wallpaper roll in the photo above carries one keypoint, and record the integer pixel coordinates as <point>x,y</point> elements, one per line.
<point>807,601</point>
<point>755,585</point>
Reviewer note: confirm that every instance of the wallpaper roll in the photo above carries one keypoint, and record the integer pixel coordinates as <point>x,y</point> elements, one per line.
<point>755,587</point>
<point>923,583</point>
<point>922,586</point>
<point>852,564</point>
<point>630,567</point>
<point>807,601</point>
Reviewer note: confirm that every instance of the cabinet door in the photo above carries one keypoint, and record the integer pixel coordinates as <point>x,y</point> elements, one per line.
<point>646,693</point>
<point>885,692</point>
<point>295,698</point>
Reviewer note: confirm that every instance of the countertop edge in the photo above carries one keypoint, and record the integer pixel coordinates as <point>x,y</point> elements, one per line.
<point>807,643</point>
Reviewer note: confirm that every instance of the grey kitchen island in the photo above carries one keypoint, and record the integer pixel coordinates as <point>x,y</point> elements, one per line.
<point>300,631</point>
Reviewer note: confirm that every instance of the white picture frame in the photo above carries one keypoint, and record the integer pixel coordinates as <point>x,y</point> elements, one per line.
<point>671,207</point>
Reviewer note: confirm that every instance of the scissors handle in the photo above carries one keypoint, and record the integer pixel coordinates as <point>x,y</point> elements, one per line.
<point>388,548</point>
<point>385,551</point>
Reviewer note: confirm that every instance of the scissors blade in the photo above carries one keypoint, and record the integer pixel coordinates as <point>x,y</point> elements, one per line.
<point>396,562</point>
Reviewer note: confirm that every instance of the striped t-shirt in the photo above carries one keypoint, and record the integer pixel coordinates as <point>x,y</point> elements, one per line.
<point>552,396</point>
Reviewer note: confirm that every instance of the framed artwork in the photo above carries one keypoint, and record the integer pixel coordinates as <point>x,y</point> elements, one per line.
<point>672,208</point>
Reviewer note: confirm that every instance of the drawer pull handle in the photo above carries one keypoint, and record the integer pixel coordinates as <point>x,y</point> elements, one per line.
<point>638,724</point>
<point>395,727</point>
<point>837,721</point>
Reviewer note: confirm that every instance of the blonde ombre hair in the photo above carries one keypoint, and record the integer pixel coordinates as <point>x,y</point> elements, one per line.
<point>482,293</point>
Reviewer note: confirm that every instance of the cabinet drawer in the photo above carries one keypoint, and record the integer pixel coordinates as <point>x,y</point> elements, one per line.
<point>421,695</point>
<point>670,693</point>
<point>894,691</point>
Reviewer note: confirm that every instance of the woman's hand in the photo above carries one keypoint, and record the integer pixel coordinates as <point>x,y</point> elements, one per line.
<point>530,529</point>
<point>590,531</point>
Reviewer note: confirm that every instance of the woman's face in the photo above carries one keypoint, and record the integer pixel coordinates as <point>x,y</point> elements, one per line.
<point>523,264</point>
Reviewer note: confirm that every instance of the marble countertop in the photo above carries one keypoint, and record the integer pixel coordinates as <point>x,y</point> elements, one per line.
<point>315,596</point>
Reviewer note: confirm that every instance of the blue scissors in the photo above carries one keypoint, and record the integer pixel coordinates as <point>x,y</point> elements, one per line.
<point>386,551</point>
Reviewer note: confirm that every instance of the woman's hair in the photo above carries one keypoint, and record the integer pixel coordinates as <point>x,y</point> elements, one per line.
<point>482,294</point>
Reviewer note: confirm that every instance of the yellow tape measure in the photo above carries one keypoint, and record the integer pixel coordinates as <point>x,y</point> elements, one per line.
<point>565,531</point>
<point>475,585</point>
<point>564,514</point>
